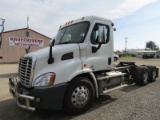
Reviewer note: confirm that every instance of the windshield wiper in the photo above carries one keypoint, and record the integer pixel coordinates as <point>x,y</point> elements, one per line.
<point>66,42</point>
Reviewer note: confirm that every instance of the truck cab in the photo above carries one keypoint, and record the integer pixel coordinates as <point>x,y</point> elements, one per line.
<point>77,67</point>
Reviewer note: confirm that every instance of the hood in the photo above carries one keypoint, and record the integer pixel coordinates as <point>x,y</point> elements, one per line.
<point>43,53</point>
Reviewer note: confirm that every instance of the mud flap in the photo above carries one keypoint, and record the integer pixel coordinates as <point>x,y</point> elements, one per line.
<point>157,72</point>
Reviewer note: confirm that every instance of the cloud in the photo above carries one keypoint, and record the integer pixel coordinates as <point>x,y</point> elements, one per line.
<point>128,7</point>
<point>47,15</point>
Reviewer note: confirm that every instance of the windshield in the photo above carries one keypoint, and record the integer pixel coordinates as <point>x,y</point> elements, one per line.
<point>72,34</point>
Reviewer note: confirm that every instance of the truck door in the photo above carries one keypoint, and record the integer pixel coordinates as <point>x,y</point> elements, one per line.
<point>103,58</point>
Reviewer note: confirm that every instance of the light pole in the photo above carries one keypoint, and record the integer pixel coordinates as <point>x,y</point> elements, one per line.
<point>126,45</point>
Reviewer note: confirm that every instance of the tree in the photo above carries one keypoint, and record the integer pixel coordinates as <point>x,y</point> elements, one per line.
<point>118,51</point>
<point>152,45</point>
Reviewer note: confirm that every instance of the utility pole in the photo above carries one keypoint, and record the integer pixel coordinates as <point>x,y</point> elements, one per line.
<point>28,22</point>
<point>1,30</point>
<point>126,45</point>
<point>27,48</point>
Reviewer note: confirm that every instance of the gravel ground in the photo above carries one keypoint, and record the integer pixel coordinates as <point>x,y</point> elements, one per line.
<point>129,103</point>
<point>8,68</point>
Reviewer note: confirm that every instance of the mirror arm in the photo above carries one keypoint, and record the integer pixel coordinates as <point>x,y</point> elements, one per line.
<point>95,49</point>
<point>51,59</point>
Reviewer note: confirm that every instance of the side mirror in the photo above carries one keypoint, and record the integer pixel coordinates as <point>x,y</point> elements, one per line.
<point>101,38</point>
<point>51,59</point>
<point>101,33</point>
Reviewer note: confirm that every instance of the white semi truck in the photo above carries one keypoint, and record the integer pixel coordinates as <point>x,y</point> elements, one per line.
<point>76,68</point>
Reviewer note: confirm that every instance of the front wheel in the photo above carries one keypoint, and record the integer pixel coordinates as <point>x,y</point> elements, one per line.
<point>79,96</point>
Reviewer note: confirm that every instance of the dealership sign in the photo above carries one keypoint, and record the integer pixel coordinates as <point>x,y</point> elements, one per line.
<point>22,41</point>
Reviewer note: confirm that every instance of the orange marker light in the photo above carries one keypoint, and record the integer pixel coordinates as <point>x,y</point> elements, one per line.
<point>85,65</point>
<point>51,80</point>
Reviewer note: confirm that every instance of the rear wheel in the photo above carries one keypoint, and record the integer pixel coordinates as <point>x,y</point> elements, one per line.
<point>141,75</point>
<point>79,96</point>
<point>152,73</point>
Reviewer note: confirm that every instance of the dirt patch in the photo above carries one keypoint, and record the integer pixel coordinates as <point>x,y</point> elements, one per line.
<point>8,68</point>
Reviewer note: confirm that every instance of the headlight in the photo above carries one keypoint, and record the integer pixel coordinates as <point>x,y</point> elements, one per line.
<point>45,80</point>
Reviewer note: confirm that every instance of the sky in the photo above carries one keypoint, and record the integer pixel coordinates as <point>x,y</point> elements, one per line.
<point>137,20</point>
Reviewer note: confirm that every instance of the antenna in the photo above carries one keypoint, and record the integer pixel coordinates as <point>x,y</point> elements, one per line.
<point>27,22</point>
<point>1,30</point>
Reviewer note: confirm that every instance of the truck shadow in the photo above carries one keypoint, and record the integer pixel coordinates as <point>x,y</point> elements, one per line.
<point>130,88</point>
<point>9,110</point>
<point>101,101</point>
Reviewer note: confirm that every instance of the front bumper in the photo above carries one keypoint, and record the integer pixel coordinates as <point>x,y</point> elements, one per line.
<point>43,98</point>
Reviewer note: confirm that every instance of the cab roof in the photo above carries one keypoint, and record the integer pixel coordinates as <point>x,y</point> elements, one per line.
<point>87,18</point>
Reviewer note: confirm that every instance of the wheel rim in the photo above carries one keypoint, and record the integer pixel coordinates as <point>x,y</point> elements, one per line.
<point>153,74</point>
<point>80,96</point>
<point>145,76</point>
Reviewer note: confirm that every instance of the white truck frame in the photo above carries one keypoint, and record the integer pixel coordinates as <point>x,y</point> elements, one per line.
<point>78,68</point>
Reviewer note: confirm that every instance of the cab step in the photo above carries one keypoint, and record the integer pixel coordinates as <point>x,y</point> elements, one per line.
<point>110,75</point>
<point>115,88</point>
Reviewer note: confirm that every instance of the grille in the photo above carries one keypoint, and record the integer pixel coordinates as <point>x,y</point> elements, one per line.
<point>25,67</point>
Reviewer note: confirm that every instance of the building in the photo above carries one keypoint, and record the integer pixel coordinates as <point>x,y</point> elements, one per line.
<point>148,54</point>
<point>158,53</point>
<point>132,51</point>
<point>15,42</point>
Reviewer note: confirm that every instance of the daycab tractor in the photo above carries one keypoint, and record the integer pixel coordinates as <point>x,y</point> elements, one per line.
<point>76,68</point>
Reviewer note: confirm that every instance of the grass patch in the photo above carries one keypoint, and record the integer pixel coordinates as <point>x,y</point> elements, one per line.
<point>128,58</point>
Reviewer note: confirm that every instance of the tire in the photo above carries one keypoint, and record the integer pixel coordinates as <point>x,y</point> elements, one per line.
<point>115,59</point>
<point>141,75</point>
<point>79,96</point>
<point>152,73</point>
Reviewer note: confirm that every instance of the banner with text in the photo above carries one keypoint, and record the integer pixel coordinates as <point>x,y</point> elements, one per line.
<point>13,41</point>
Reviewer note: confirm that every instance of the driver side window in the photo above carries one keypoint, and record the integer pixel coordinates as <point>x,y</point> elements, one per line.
<point>94,34</point>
